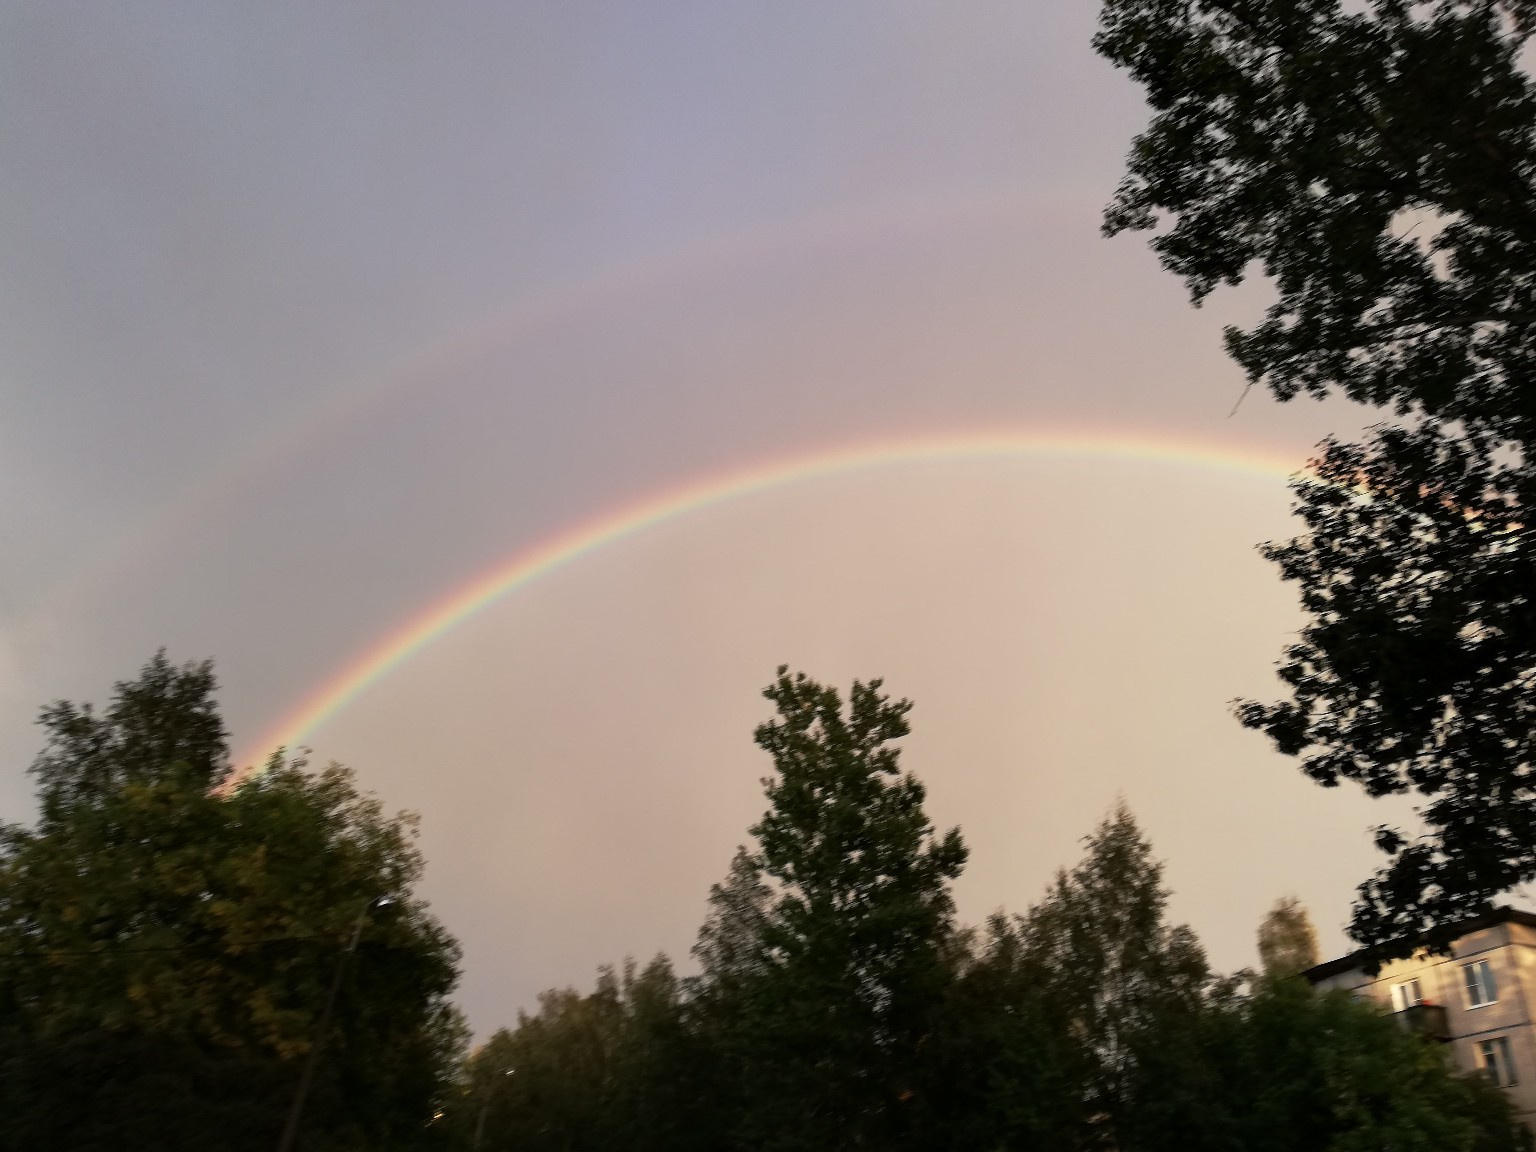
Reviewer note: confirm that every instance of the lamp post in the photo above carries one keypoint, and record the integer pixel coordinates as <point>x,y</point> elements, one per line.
<point>291,1127</point>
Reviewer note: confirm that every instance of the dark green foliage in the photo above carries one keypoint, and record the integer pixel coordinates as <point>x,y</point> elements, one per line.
<point>1123,981</point>
<point>824,957</point>
<point>1414,671</point>
<point>1086,1024</point>
<point>838,1007</point>
<point>147,913</point>
<point>611,1070</point>
<point>1292,1070</point>
<point>164,951</point>
<point>1068,1025</point>
<point>167,716</point>
<point>1003,1067</point>
<point>1375,160</point>
<point>104,1091</point>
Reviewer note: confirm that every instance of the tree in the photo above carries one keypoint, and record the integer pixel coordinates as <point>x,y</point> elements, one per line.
<point>612,1069</point>
<point>1290,1069</point>
<point>1006,1065</point>
<point>1287,940</point>
<point>1375,161</point>
<point>1125,982</point>
<point>171,942</point>
<point>824,955</point>
<point>1414,670</point>
<point>1092,1023</point>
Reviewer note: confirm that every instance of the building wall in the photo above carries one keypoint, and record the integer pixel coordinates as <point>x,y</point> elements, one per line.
<point>1511,950</point>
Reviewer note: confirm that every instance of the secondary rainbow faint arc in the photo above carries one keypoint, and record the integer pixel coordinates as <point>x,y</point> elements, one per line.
<point>612,525</point>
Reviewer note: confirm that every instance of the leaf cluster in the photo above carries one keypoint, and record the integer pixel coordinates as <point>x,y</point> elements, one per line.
<point>1376,162</point>
<point>1415,670</point>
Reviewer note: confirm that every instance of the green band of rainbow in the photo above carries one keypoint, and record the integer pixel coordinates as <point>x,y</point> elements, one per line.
<point>615,524</point>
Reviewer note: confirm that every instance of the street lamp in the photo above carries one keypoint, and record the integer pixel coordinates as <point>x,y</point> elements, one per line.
<point>291,1128</point>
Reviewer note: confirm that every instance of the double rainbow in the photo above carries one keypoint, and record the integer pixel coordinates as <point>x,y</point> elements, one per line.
<point>534,561</point>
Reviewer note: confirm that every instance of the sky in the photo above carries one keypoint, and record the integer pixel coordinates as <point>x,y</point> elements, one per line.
<point>566,368</point>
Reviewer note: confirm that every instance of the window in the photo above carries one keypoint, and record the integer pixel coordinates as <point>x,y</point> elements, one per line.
<point>1405,995</point>
<point>1493,1058</point>
<point>1480,986</point>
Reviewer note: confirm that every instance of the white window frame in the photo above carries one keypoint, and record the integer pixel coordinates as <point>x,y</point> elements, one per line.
<point>1478,984</point>
<point>1495,1058</point>
<point>1405,994</point>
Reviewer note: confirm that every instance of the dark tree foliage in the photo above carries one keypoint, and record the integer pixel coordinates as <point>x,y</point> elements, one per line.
<point>1069,1027</point>
<point>1376,160</point>
<point>163,943</point>
<point>1286,1069</point>
<point>1004,1067</point>
<point>1123,983</point>
<point>167,716</point>
<point>1089,1024</point>
<point>824,957</point>
<point>614,1069</point>
<point>1416,669</point>
<point>109,1090</point>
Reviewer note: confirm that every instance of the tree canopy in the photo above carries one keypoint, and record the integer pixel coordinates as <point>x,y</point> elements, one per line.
<point>838,1005</point>
<point>823,957</point>
<point>1376,161</point>
<point>166,946</point>
<point>615,1068</point>
<point>153,928</point>
<point>1414,670</point>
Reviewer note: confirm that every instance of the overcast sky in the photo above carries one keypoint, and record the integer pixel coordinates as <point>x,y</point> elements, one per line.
<point>310,314</point>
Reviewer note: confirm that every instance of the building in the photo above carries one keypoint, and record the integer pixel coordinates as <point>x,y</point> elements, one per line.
<point>1477,999</point>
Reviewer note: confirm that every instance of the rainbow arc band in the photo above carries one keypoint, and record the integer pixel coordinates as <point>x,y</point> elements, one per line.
<point>702,260</point>
<point>614,524</point>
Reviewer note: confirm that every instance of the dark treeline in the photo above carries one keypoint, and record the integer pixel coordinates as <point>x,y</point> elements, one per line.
<point>169,938</point>
<point>838,1005</point>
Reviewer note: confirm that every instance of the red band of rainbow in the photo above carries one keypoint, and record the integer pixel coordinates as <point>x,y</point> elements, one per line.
<point>533,561</point>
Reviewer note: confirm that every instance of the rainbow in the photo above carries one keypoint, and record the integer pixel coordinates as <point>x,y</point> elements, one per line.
<point>448,357</point>
<point>614,524</point>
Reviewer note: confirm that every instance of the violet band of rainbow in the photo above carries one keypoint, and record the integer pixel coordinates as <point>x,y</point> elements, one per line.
<point>540,558</point>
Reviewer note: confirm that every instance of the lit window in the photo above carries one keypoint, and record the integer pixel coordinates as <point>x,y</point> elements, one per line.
<point>1493,1058</point>
<point>1405,995</point>
<point>1480,986</point>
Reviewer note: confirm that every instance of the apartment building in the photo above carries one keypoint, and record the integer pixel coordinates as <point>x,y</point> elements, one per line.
<point>1477,999</point>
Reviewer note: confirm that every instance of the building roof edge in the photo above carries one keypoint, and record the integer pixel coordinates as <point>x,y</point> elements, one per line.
<point>1500,915</point>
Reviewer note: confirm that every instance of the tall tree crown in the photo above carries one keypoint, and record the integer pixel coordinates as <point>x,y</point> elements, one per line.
<point>845,831</point>
<point>165,720</point>
<point>1287,940</point>
<point>823,956</point>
